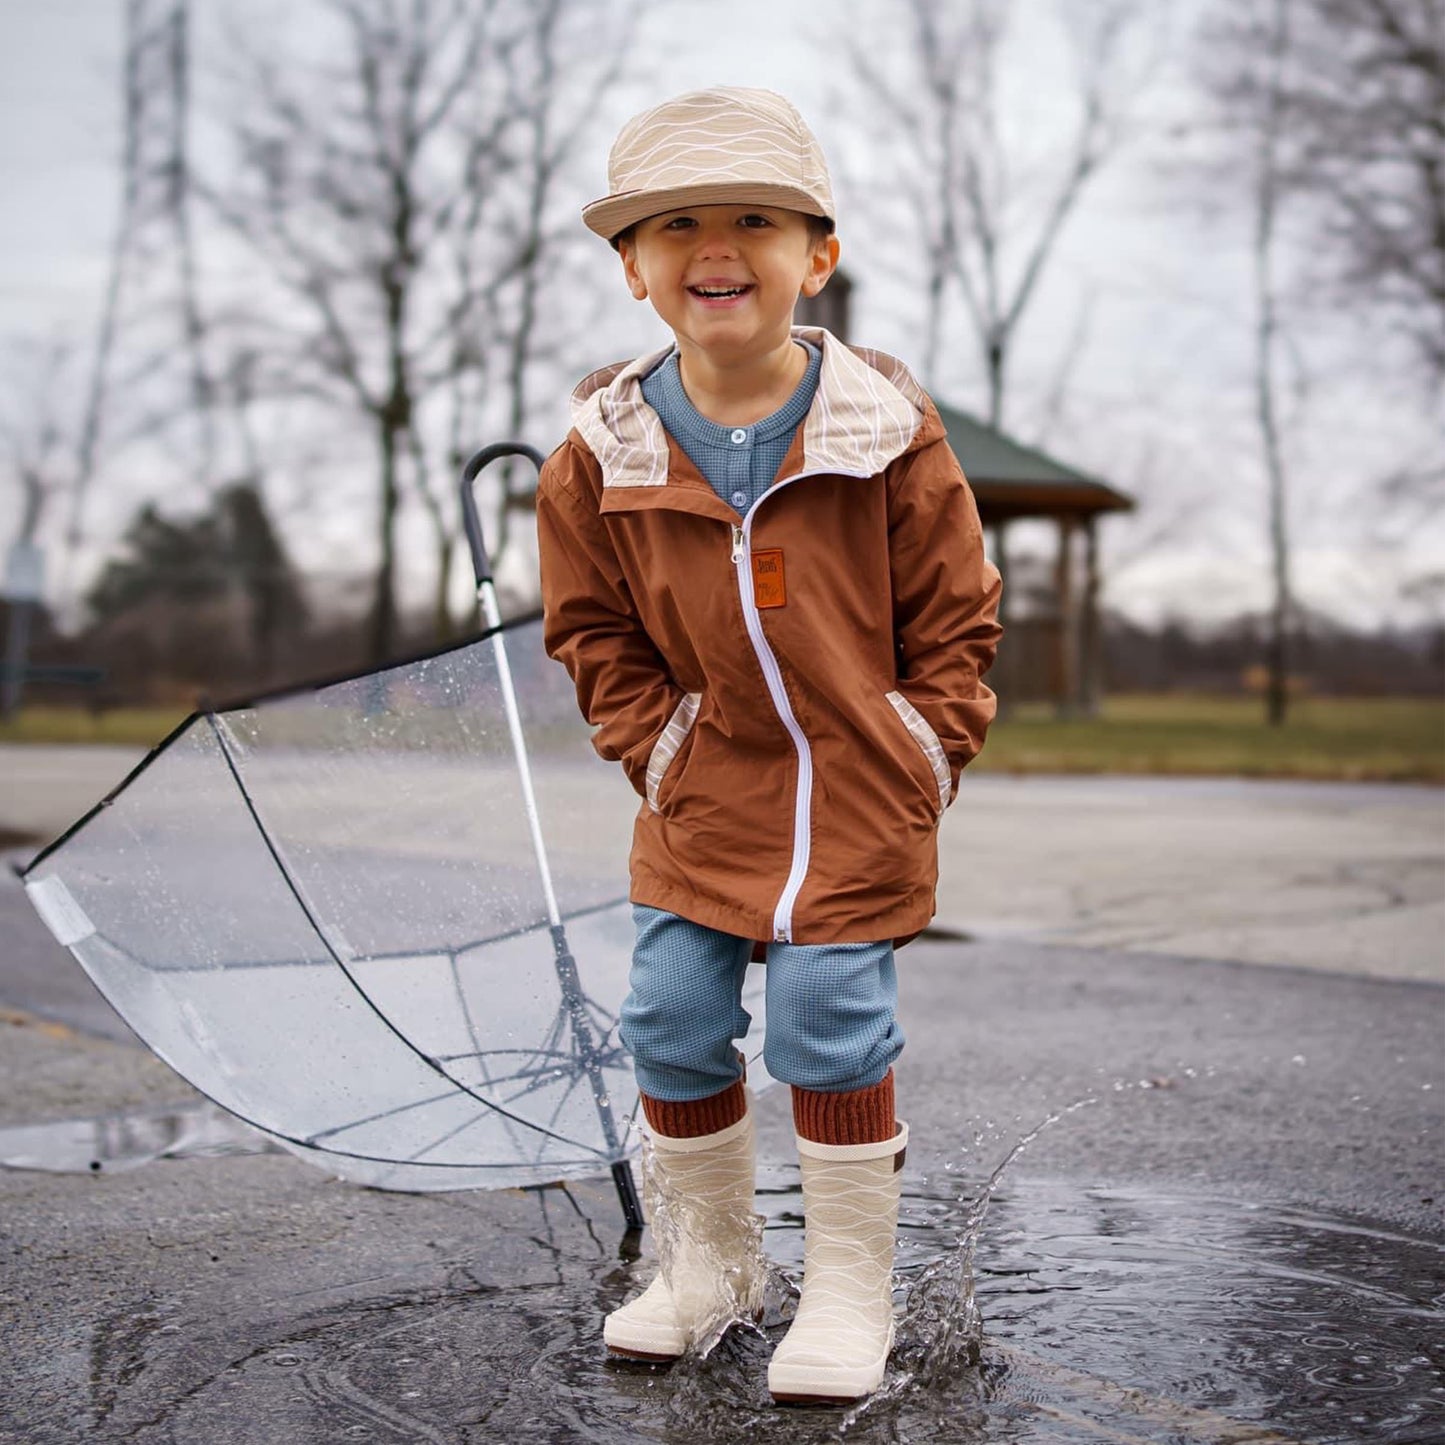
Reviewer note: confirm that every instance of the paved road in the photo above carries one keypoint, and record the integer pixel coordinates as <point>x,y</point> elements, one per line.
<point>1340,877</point>
<point>1243,1228</point>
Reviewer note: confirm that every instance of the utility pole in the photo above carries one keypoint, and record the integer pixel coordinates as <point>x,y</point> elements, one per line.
<point>150,315</point>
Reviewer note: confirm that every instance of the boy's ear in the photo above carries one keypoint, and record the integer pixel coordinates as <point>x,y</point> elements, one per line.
<point>824,263</point>
<point>627,249</point>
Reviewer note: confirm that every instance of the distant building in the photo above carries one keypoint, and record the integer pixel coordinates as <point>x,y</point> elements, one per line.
<point>1055,651</point>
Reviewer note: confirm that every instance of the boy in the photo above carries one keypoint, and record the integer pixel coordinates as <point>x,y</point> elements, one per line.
<point>764,570</point>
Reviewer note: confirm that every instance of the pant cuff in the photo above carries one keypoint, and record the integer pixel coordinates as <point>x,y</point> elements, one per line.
<point>860,1116</point>
<point>692,1118</point>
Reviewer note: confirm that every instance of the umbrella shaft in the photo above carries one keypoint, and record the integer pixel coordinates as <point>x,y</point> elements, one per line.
<point>488,597</point>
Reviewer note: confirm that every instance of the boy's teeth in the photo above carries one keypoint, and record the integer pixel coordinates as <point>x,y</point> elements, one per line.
<point>713,292</point>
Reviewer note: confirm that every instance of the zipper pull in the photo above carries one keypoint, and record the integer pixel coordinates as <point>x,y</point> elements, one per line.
<point>739,544</point>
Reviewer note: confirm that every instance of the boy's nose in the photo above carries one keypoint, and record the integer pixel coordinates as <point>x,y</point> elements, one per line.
<point>715,240</point>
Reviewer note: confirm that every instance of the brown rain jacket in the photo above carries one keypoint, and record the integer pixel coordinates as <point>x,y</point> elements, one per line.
<point>793,693</point>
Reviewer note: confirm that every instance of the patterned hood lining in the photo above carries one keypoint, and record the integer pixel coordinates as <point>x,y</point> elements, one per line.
<point>867,411</point>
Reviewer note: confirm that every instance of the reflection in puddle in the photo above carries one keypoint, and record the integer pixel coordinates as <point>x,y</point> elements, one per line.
<point>119,1142</point>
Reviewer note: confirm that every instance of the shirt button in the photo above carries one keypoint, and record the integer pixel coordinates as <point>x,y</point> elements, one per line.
<point>739,437</point>
<point>740,500</point>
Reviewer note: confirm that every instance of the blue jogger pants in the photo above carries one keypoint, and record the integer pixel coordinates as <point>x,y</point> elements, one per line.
<point>831,1023</point>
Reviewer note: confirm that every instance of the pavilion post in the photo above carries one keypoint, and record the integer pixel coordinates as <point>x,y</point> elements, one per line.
<point>1066,630</point>
<point>1090,635</point>
<point>1003,668</point>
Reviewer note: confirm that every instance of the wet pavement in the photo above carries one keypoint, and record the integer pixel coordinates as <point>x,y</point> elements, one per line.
<point>1237,1238</point>
<point>1234,1230</point>
<point>1107,1315</point>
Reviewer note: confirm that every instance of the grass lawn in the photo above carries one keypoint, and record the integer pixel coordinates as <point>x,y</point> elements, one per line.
<point>1379,739</point>
<point>1376,739</point>
<point>136,727</point>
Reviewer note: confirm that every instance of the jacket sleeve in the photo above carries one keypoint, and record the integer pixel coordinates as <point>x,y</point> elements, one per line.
<point>591,624</point>
<point>945,601</point>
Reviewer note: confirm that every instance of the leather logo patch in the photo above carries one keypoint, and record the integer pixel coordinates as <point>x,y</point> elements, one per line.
<point>769,589</point>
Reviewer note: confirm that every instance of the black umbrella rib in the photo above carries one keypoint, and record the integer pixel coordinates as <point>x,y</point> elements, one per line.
<point>395,955</point>
<point>439,1141</point>
<point>340,679</point>
<point>109,798</point>
<point>295,890</point>
<point>600,1015</point>
<point>462,999</point>
<point>521,931</point>
<point>336,1129</point>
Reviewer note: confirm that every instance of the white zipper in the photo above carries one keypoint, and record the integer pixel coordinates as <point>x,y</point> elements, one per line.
<point>773,676</point>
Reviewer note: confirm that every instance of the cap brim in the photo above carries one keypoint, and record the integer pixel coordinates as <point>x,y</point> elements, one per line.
<point>614,214</point>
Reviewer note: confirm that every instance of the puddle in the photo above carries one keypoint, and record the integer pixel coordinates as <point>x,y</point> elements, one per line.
<point>118,1142</point>
<point>1128,1315</point>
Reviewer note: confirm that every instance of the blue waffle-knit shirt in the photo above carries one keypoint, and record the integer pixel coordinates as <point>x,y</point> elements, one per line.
<point>739,462</point>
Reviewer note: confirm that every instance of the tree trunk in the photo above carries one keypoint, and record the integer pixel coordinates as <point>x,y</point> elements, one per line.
<point>1266,336</point>
<point>382,627</point>
<point>441,603</point>
<point>995,358</point>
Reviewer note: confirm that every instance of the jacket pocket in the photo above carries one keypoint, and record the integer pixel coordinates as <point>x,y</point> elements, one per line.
<point>929,744</point>
<point>669,743</point>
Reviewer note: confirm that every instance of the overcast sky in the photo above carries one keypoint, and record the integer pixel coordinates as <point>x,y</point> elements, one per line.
<point>1158,403</point>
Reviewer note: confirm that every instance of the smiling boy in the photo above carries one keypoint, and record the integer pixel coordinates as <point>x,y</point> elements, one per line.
<point>764,570</point>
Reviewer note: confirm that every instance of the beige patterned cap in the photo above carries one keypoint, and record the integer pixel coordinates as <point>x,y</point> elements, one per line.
<point>723,146</point>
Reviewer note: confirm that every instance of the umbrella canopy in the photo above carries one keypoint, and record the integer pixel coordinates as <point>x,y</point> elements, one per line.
<point>327,911</point>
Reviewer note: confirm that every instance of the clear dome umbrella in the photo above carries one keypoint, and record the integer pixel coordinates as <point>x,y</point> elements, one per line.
<point>382,918</point>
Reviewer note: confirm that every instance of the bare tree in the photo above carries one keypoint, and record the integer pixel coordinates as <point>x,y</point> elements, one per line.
<point>395,198</point>
<point>1360,95</point>
<point>986,233</point>
<point>1338,109</point>
<point>1267,188</point>
<point>36,437</point>
<point>1248,56</point>
<point>40,457</point>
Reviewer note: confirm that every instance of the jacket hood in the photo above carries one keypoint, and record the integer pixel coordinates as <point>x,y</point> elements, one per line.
<point>868,411</point>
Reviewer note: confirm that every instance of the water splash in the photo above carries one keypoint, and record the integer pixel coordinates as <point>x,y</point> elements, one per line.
<point>941,1329</point>
<point>707,1240</point>
<point>1118,1313</point>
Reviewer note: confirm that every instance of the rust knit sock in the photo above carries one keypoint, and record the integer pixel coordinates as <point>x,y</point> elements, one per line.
<point>861,1116</point>
<point>692,1118</point>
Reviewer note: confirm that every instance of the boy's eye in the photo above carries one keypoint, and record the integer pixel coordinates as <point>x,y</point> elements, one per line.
<point>754,221</point>
<point>680,223</point>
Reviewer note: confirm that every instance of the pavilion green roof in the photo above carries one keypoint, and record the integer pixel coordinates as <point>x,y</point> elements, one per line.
<point>1013,480</point>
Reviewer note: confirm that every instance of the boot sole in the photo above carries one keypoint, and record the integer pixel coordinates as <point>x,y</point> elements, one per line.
<point>643,1356</point>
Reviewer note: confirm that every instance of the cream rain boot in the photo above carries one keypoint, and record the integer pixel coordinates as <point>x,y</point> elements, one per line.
<point>701,1208</point>
<point>838,1345</point>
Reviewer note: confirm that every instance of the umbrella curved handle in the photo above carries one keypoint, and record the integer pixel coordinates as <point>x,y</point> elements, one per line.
<point>471,519</point>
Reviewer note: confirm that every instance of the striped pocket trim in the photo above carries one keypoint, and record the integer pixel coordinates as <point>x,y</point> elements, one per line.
<point>926,739</point>
<point>664,750</point>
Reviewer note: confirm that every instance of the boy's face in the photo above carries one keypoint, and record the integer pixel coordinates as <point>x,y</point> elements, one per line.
<point>726,278</point>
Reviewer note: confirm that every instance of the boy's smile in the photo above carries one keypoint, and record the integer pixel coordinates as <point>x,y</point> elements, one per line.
<point>719,293</point>
<point>725,279</point>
